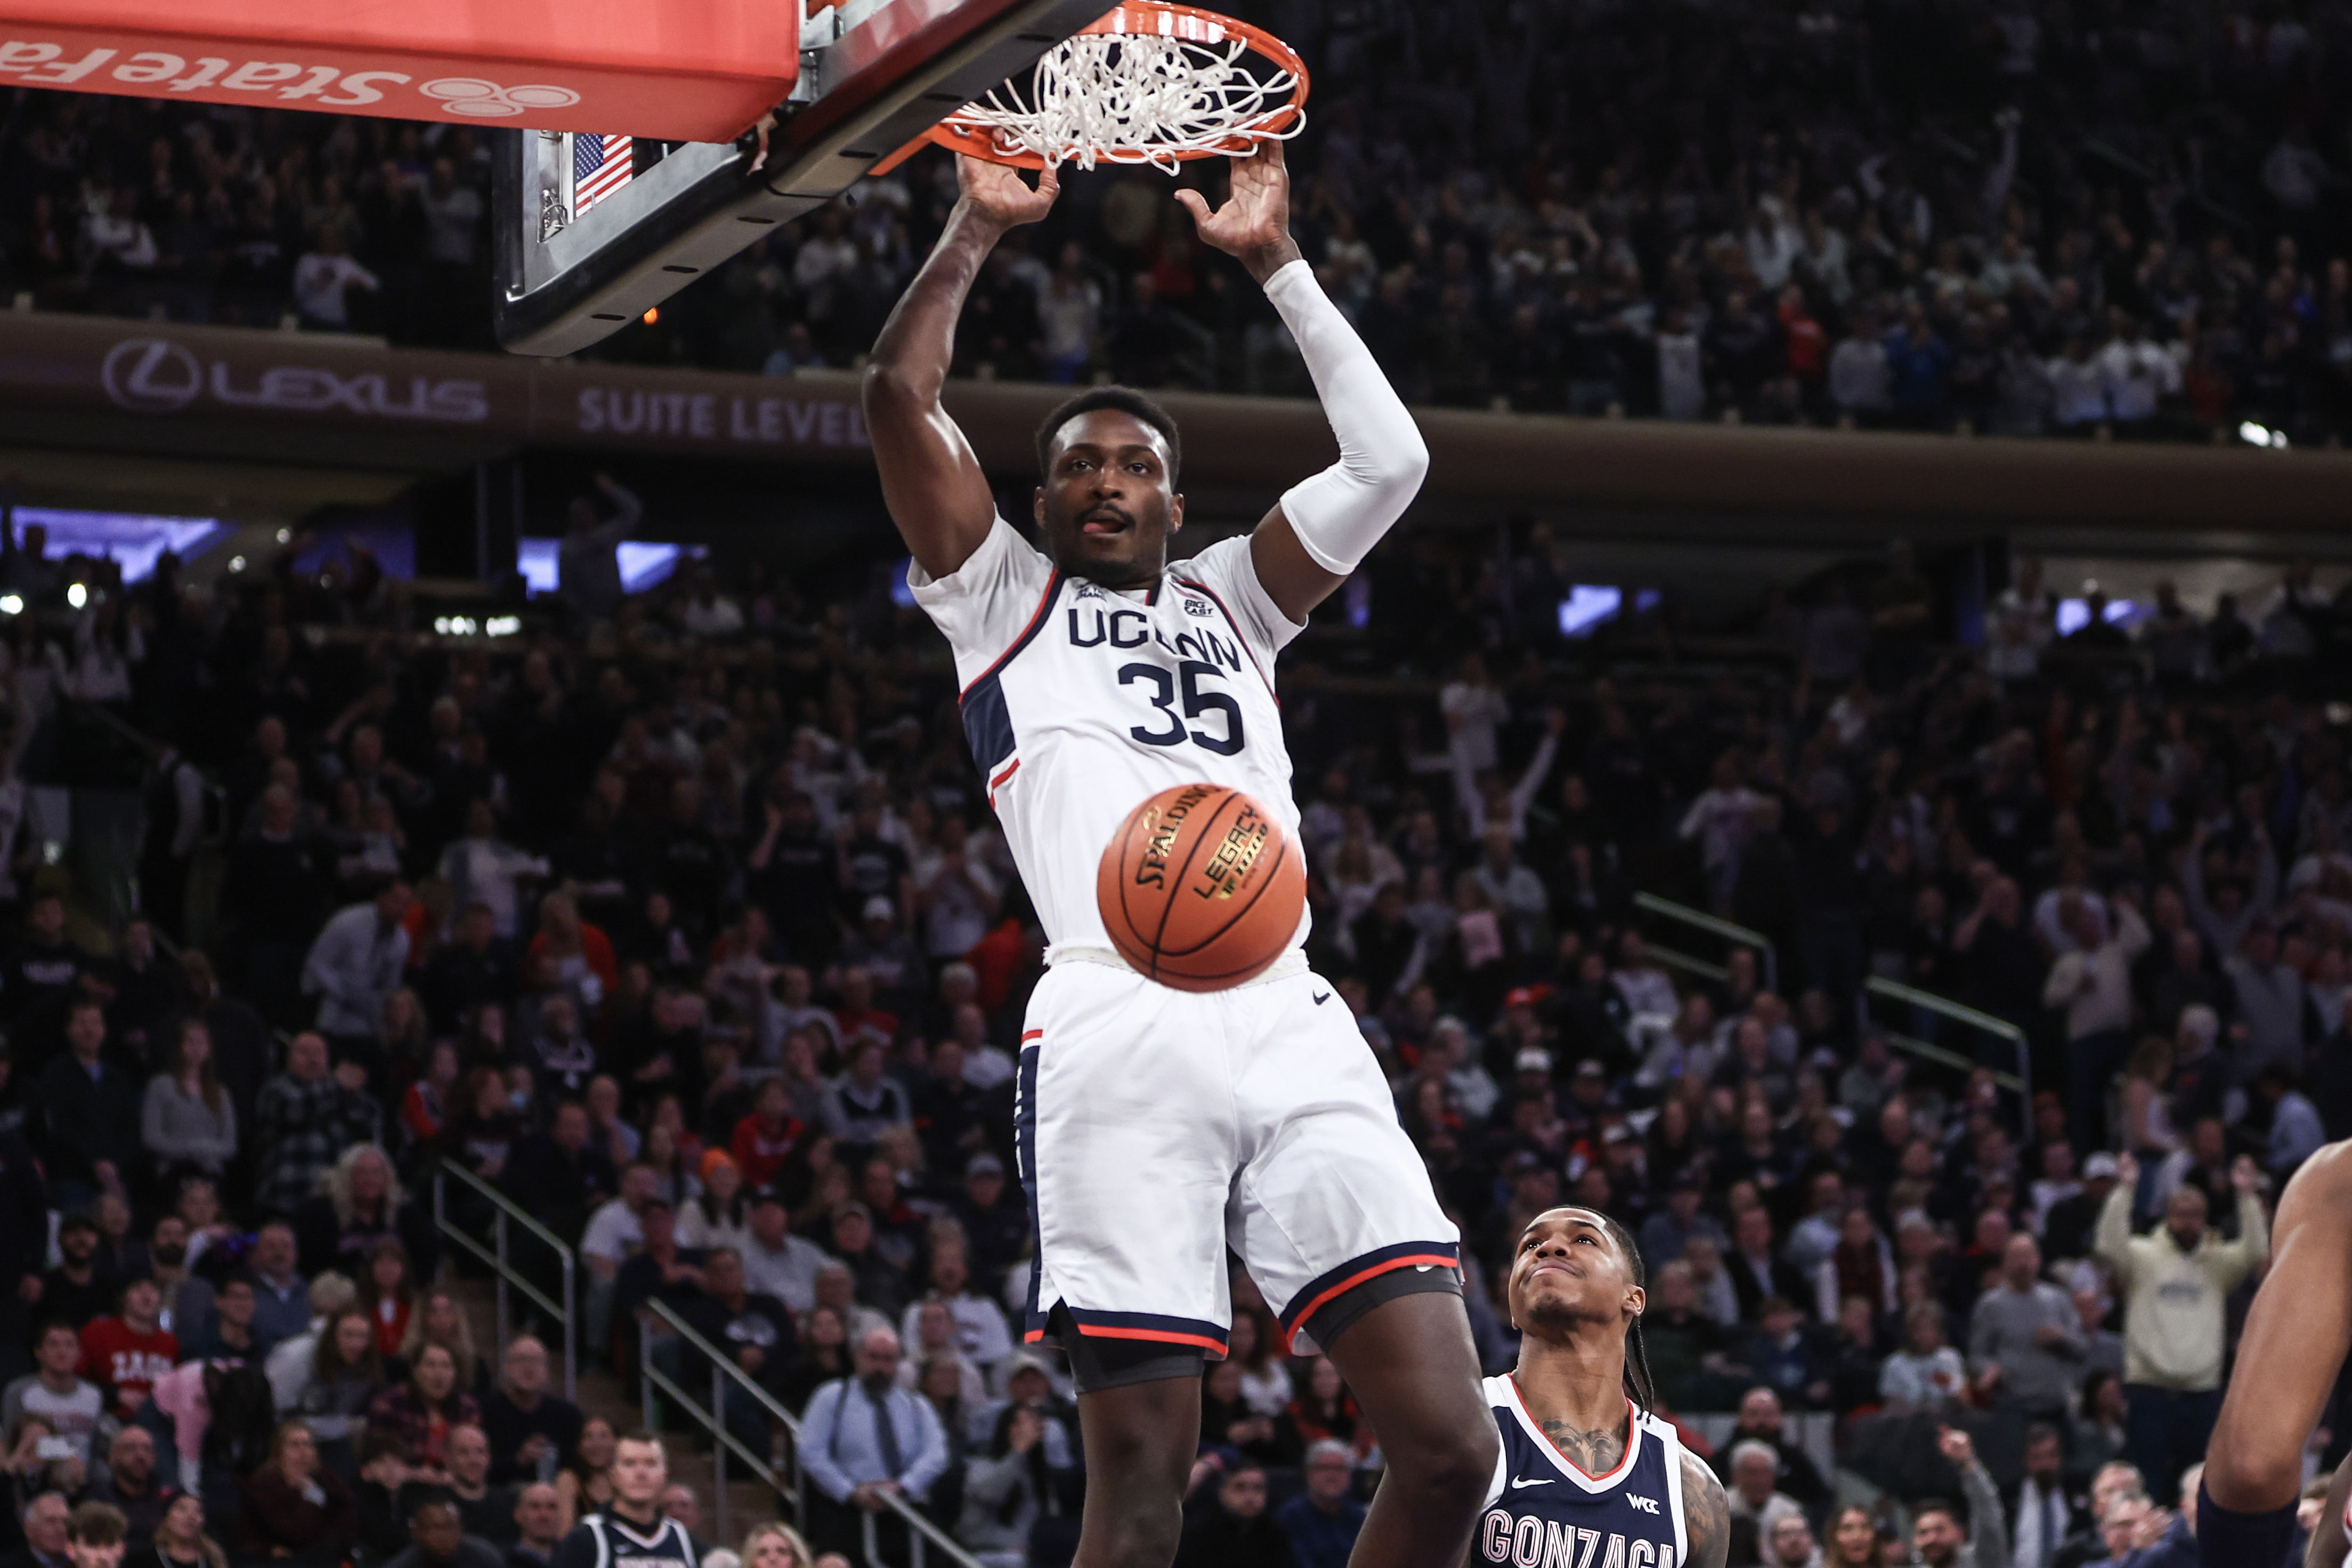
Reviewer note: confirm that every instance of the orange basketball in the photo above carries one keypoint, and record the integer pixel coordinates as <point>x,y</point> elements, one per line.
<point>1202,887</point>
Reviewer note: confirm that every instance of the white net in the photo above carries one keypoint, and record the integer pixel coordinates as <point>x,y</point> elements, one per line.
<point>1188,87</point>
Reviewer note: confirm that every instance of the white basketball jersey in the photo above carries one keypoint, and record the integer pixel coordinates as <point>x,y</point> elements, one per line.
<point>1081,702</point>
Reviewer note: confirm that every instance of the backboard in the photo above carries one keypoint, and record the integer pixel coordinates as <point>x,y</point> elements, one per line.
<point>592,232</point>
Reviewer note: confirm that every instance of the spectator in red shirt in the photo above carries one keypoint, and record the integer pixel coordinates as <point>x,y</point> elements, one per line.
<point>130,1351</point>
<point>576,954</point>
<point>764,1139</point>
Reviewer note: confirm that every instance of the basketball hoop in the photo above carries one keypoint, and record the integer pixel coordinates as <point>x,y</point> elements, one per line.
<point>1149,83</point>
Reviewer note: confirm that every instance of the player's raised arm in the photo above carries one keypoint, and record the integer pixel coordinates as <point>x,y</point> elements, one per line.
<point>930,480</point>
<point>1323,527</point>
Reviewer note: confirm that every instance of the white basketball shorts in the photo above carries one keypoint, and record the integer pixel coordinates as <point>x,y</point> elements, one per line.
<point>1160,1127</point>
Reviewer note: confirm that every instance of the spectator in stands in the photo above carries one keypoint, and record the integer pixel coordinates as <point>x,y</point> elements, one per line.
<point>180,1541</point>
<point>1007,1487</point>
<point>484,1510</point>
<point>1763,1419</point>
<point>863,1439</point>
<point>1322,1523</point>
<point>757,1329</point>
<point>186,1121</point>
<point>532,1432</point>
<point>44,1525</point>
<point>1926,1374</point>
<point>1937,1539</point>
<point>362,1206</point>
<point>358,960</point>
<point>57,1392</point>
<point>340,1380</point>
<point>438,1539</point>
<point>304,1119</point>
<point>538,1527</point>
<point>2175,1282</point>
<point>1225,1520</point>
<point>775,1261</point>
<point>283,1301</point>
<point>293,1505</point>
<point>77,1288</point>
<point>129,1349</point>
<point>2024,1335</point>
<point>423,1411</point>
<point>91,1109</point>
<point>2047,1514</point>
<point>129,1487</point>
<point>612,1236</point>
<point>226,1332</point>
<point>1754,1494</point>
<point>289,1364</point>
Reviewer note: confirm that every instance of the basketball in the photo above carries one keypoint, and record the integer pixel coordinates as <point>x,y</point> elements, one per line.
<point>1202,887</point>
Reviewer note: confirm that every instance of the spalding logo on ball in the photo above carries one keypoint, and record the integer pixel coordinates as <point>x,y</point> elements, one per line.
<point>1202,888</point>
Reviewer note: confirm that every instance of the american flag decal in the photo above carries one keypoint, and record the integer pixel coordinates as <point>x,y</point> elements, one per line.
<point>599,166</point>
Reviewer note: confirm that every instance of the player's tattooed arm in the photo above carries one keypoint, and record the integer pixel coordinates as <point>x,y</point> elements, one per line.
<point>1706,1514</point>
<point>1594,1453</point>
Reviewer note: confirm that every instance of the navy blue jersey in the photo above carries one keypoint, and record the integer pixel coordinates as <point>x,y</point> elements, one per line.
<point>1542,1511</point>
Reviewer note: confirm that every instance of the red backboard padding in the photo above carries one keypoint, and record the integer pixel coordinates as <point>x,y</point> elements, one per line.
<point>677,70</point>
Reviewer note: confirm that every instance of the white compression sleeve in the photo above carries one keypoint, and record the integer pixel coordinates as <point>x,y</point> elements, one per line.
<point>1341,513</point>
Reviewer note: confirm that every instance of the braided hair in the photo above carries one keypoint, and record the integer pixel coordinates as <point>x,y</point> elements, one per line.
<point>1640,1386</point>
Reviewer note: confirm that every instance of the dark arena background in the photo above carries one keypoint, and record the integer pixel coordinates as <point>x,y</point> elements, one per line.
<point>503,941</point>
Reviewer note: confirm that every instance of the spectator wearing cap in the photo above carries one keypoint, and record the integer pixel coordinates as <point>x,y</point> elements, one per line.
<point>2067,1231</point>
<point>79,1289</point>
<point>753,1329</point>
<point>1322,1521</point>
<point>994,1218</point>
<point>881,947</point>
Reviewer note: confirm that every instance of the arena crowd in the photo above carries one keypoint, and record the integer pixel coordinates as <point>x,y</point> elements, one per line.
<point>688,928</point>
<point>2011,216</point>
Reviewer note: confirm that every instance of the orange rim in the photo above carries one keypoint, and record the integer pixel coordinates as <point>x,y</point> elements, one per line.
<point>1148,19</point>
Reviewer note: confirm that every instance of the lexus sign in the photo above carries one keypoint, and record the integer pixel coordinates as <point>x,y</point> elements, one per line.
<point>157,375</point>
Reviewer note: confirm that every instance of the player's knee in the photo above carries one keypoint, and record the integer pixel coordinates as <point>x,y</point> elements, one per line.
<point>1138,1531</point>
<point>1452,1467</point>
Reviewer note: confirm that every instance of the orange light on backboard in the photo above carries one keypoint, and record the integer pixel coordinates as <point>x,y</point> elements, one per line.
<point>687,70</point>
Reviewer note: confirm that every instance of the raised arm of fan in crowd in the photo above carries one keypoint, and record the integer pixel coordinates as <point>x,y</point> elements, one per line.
<point>1324,525</point>
<point>932,481</point>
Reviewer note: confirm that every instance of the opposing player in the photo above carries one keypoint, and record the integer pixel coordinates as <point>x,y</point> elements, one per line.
<point>1156,1128</point>
<point>2297,1332</point>
<point>1586,1474</point>
<point>632,1532</point>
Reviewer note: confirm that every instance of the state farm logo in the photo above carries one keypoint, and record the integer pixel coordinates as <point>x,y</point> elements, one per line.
<point>152,375</point>
<point>482,100</point>
<point>156,375</point>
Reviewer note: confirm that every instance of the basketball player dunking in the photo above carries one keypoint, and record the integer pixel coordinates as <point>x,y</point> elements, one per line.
<point>1158,1128</point>
<point>2297,1332</point>
<point>1586,1474</point>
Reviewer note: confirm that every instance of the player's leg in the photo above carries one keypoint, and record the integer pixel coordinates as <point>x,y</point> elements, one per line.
<point>1412,1368</point>
<point>1334,1215</point>
<point>2297,1332</point>
<point>1140,1440</point>
<point>1127,1142</point>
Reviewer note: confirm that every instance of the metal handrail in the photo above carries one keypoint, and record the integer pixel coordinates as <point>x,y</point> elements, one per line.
<point>1700,919</point>
<point>504,1208</point>
<point>2020,1081</point>
<point>920,1530</point>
